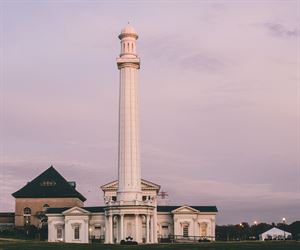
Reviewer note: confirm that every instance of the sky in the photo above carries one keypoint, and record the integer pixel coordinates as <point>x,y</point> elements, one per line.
<point>218,91</point>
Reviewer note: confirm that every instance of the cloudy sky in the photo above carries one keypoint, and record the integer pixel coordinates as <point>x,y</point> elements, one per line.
<point>219,100</point>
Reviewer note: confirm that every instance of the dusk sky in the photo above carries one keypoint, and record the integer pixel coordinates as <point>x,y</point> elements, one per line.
<point>219,100</point>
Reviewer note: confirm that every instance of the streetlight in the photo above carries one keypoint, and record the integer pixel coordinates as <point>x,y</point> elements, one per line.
<point>255,229</point>
<point>283,221</point>
<point>242,230</point>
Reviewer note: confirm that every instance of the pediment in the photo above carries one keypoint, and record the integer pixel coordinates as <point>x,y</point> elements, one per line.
<point>76,211</point>
<point>110,186</point>
<point>146,185</point>
<point>185,210</point>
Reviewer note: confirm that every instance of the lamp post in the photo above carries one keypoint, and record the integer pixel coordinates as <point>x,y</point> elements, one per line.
<point>242,230</point>
<point>255,230</point>
<point>283,221</point>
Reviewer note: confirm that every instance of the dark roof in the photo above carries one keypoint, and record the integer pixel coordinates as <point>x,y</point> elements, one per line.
<point>49,184</point>
<point>62,209</point>
<point>199,208</point>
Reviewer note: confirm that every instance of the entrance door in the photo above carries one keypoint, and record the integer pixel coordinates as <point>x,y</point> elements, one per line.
<point>165,231</point>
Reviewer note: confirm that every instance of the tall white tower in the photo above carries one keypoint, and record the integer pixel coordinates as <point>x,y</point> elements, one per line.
<point>129,170</point>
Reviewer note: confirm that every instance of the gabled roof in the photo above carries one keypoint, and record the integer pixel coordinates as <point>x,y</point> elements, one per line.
<point>198,208</point>
<point>276,230</point>
<point>49,184</point>
<point>145,185</point>
<point>64,209</point>
<point>75,210</point>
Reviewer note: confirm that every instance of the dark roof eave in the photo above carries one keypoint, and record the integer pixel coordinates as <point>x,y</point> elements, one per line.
<point>204,209</point>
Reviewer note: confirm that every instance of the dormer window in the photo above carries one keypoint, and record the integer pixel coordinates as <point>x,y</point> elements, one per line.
<point>48,183</point>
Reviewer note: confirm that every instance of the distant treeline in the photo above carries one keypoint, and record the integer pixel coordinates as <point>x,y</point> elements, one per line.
<point>244,231</point>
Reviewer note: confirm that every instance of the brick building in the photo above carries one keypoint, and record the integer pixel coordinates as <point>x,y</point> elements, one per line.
<point>49,189</point>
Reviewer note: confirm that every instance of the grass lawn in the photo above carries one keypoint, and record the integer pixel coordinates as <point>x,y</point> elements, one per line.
<point>35,245</point>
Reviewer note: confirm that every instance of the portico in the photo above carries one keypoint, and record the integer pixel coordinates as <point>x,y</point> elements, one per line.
<point>127,224</point>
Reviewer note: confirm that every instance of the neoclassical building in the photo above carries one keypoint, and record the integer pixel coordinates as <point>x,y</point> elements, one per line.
<point>131,212</point>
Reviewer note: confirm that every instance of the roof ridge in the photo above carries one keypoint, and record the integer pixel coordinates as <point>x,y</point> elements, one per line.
<point>48,184</point>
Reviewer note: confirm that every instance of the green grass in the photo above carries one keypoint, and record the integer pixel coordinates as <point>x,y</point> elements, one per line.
<point>36,245</point>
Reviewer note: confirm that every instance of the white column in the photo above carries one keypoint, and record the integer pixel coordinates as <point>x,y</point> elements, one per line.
<point>194,226</point>
<point>106,229</point>
<point>122,227</point>
<point>137,228</point>
<point>152,229</point>
<point>155,226</point>
<point>147,228</point>
<point>111,227</point>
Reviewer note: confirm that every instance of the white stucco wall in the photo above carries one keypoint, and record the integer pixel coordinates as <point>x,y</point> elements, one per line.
<point>53,222</point>
<point>83,223</point>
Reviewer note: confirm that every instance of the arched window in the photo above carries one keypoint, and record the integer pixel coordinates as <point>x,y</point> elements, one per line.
<point>27,211</point>
<point>132,47</point>
<point>128,47</point>
<point>27,216</point>
<point>45,207</point>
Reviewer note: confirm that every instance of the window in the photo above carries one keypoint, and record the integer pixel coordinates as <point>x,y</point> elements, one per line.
<point>48,183</point>
<point>59,233</point>
<point>27,211</point>
<point>165,227</point>
<point>185,231</point>
<point>76,233</point>
<point>145,197</point>
<point>27,216</point>
<point>203,229</point>
<point>114,198</point>
<point>45,207</point>
<point>27,220</point>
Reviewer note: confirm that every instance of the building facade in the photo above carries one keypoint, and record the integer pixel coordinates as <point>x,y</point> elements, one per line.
<point>85,224</point>
<point>131,212</point>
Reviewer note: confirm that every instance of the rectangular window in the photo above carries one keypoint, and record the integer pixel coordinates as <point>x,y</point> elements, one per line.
<point>76,233</point>
<point>59,233</point>
<point>27,220</point>
<point>165,227</point>
<point>186,231</point>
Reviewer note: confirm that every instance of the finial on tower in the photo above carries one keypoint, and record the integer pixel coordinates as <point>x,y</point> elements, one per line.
<point>128,31</point>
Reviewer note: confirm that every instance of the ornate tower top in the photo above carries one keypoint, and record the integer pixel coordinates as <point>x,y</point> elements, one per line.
<point>128,39</point>
<point>128,31</point>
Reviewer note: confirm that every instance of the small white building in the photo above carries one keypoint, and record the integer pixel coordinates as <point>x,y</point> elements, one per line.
<point>275,234</point>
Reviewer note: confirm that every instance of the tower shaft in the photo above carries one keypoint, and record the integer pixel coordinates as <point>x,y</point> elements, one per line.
<point>129,170</point>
